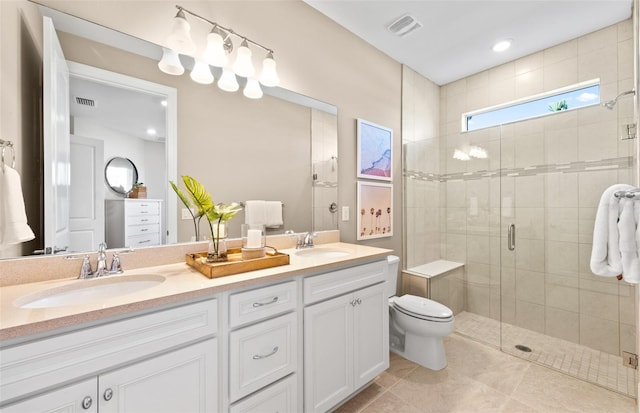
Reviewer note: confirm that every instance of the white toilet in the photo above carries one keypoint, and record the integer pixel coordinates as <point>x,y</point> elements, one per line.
<point>416,324</point>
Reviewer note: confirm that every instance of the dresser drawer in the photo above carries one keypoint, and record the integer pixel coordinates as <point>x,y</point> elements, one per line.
<point>254,305</point>
<point>142,229</point>
<point>143,240</point>
<point>143,219</point>
<point>143,208</point>
<point>324,286</point>
<point>279,397</point>
<point>261,354</point>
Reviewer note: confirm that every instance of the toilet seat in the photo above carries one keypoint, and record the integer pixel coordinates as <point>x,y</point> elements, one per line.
<point>422,308</point>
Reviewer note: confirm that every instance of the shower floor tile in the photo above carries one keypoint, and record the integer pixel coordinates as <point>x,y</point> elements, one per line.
<point>576,360</point>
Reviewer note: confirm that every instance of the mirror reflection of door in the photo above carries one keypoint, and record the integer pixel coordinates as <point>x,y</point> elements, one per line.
<point>56,143</point>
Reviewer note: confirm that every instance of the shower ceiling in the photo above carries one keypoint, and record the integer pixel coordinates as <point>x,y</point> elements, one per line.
<point>457,35</point>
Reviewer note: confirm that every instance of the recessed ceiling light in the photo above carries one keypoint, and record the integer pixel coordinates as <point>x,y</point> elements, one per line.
<point>151,132</point>
<point>502,45</point>
<point>163,102</point>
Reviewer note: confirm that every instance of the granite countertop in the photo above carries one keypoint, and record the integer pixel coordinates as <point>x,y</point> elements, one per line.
<point>182,283</point>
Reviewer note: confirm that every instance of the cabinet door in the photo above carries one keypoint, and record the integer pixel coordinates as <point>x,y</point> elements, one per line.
<point>371,334</point>
<point>183,380</point>
<point>328,353</point>
<point>79,397</point>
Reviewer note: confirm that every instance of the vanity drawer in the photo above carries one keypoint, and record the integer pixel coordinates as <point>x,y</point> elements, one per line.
<point>335,283</point>
<point>143,208</point>
<point>254,305</point>
<point>142,229</point>
<point>261,354</point>
<point>143,220</point>
<point>279,397</point>
<point>143,240</point>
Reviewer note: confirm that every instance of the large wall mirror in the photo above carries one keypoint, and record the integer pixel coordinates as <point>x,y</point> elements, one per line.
<point>282,147</point>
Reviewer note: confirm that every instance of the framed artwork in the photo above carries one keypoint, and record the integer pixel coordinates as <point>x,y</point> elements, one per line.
<point>375,210</point>
<point>374,151</point>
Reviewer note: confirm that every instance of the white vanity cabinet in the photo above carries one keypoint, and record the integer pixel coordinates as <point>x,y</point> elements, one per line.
<point>162,362</point>
<point>263,348</point>
<point>346,334</point>
<point>133,222</point>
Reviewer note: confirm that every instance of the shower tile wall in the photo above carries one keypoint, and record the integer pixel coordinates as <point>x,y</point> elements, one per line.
<point>553,170</point>
<point>544,175</point>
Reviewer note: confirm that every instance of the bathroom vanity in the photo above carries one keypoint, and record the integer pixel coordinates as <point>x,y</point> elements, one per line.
<point>301,337</point>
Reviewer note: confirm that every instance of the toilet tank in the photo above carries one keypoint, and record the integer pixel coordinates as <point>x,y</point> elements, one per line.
<point>393,265</point>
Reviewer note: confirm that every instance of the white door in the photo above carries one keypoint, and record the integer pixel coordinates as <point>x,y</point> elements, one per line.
<point>86,194</point>
<point>371,334</point>
<point>56,142</point>
<point>183,381</point>
<point>76,398</point>
<point>328,353</point>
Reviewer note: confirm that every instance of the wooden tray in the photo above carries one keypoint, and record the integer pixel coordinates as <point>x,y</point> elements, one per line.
<point>235,264</point>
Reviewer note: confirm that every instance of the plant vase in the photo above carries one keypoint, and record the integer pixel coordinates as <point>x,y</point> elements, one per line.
<point>217,251</point>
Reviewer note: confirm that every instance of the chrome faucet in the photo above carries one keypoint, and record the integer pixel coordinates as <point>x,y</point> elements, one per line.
<point>303,239</point>
<point>101,265</point>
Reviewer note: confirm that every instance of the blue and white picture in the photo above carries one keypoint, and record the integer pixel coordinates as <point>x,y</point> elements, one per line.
<point>374,151</point>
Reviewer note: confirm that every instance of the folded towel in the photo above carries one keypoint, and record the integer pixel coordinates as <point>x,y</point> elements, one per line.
<point>273,214</point>
<point>255,212</point>
<point>13,218</point>
<point>627,226</point>
<point>606,259</point>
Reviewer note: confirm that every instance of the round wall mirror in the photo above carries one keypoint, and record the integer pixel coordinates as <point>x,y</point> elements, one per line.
<point>121,174</point>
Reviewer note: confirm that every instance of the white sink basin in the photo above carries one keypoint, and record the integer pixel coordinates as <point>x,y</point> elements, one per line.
<point>320,252</point>
<point>86,291</point>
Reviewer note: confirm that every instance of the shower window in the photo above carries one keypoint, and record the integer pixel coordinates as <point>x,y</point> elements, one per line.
<point>568,98</point>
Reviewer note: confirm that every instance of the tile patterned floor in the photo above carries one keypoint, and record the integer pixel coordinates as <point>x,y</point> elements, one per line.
<point>479,379</point>
<point>594,366</point>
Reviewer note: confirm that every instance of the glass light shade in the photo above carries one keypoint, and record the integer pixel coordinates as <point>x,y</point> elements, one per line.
<point>228,81</point>
<point>180,37</point>
<point>170,63</point>
<point>243,65</point>
<point>252,89</point>
<point>269,76</point>
<point>201,73</point>
<point>214,53</point>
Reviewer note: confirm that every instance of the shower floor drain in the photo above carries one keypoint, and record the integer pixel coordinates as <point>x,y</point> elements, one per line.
<point>523,348</point>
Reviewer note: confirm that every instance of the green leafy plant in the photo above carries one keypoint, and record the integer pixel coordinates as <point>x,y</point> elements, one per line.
<point>198,198</point>
<point>558,106</point>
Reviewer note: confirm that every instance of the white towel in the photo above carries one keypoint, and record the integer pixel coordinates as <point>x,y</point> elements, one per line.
<point>606,259</point>
<point>13,219</point>
<point>627,226</point>
<point>255,212</point>
<point>273,214</point>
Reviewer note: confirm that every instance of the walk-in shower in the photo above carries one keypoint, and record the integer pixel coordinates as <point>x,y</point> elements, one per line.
<point>543,176</point>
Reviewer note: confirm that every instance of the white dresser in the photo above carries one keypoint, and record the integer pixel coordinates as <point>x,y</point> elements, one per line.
<point>133,222</point>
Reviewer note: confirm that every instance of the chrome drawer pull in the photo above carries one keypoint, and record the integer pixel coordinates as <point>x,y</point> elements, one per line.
<point>144,230</point>
<point>258,356</point>
<point>273,301</point>
<point>143,220</point>
<point>145,241</point>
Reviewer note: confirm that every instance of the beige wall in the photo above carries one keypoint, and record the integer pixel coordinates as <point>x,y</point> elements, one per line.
<point>315,57</point>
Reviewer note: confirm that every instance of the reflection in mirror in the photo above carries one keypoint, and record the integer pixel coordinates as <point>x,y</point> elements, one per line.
<point>282,147</point>
<point>121,174</point>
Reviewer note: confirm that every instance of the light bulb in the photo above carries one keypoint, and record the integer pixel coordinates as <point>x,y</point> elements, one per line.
<point>269,76</point>
<point>201,73</point>
<point>252,89</point>
<point>214,53</point>
<point>228,81</point>
<point>243,65</point>
<point>180,37</point>
<point>170,63</point>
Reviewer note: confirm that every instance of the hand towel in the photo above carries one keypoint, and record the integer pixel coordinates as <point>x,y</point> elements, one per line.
<point>273,214</point>
<point>13,218</point>
<point>606,259</point>
<point>630,240</point>
<point>255,212</point>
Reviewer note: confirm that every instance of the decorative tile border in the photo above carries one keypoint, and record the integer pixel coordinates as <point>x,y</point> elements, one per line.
<point>625,162</point>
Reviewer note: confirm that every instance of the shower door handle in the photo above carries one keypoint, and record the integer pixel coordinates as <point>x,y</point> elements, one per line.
<point>511,237</point>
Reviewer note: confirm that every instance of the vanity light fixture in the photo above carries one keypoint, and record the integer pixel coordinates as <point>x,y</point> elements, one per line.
<point>216,53</point>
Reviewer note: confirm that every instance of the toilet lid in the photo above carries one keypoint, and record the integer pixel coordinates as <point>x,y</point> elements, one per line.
<point>423,307</point>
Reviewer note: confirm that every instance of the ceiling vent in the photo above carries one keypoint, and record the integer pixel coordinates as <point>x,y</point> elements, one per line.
<point>85,102</point>
<point>404,25</point>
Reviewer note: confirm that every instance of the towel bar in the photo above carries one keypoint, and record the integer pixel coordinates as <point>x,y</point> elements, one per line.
<point>632,194</point>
